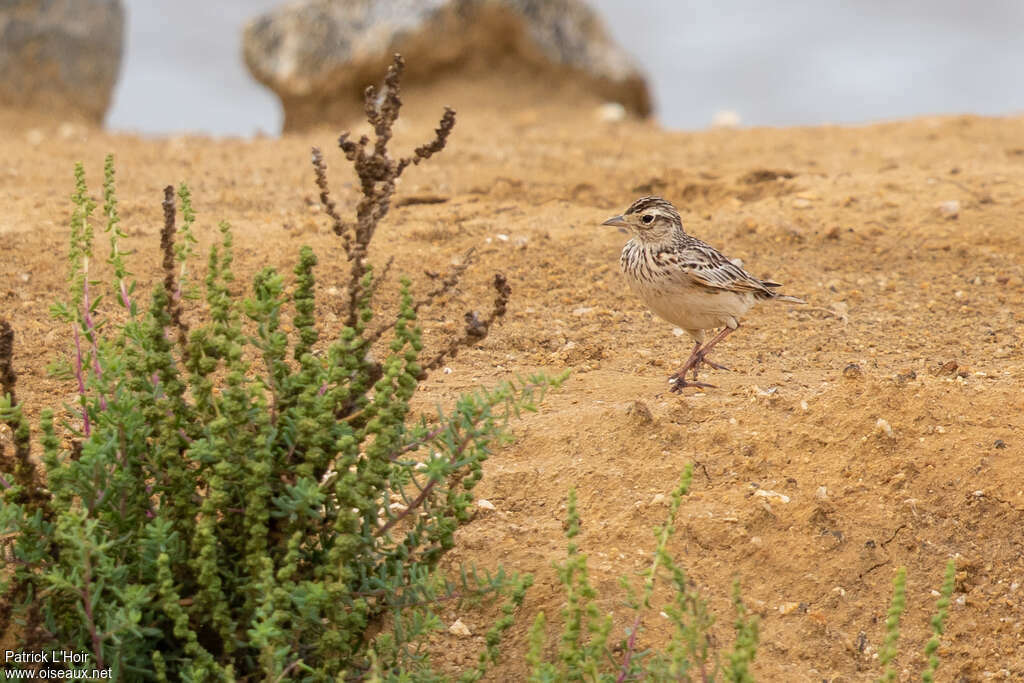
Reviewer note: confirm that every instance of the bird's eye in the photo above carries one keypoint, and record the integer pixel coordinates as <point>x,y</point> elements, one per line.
<point>647,220</point>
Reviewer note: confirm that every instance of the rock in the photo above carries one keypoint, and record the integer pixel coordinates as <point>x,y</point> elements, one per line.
<point>950,209</point>
<point>610,112</point>
<point>485,504</point>
<point>726,118</point>
<point>773,495</point>
<point>459,629</point>
<point>788,607</point>
<point>318,56</point>
<point>60,56</point>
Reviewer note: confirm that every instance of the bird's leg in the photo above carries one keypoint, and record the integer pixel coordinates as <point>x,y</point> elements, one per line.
<point>698,356</point>
<point>678,380</point>
<point>694,359</point>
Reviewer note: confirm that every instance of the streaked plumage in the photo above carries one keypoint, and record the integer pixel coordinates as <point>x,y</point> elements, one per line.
<point>685,281</point>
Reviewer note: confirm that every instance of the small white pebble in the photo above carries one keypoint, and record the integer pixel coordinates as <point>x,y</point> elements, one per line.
<point>678,331</point>
<point>821,493</point>
<point>804,407</point>
<point>502,236</point>
<point>459,629</point>
<point>726,118</point>
<point>883,427</point>
<point>610,112</point>
<point>980,493</point>
<point>788,607</point>
<point>398,507</point>
<point>961,600</point>
<point>485,504</point>
<point>950,209</point>
<point>447,370</point>
<point>940,429</point>
<point>658,499</point>
<point>763,493</point>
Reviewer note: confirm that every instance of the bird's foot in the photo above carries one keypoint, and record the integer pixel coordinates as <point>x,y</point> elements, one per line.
<point>678,382</point>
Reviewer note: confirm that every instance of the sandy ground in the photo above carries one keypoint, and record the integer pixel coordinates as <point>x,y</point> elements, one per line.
<point>911,460</point>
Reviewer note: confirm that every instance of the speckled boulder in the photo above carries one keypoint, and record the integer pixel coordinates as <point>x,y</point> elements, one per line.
<point>318,55</point>
<point>60,56</point>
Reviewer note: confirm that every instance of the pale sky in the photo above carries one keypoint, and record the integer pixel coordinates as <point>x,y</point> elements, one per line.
<point>786,62</point>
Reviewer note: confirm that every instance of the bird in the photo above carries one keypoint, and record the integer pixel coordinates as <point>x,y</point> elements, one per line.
<point>686,281</point>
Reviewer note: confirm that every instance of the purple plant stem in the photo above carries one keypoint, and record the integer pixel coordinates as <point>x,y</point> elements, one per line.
<point>86,428</point>
<point>125,300</point>
<point>90,329</point>
<point>630,648</point>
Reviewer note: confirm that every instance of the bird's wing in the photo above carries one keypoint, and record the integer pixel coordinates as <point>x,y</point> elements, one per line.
<point>701,264</point>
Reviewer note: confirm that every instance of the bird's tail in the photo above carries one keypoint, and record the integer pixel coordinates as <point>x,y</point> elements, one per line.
<point>791,299</point>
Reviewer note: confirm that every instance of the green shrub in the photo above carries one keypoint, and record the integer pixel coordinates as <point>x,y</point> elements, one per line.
<point>587,653</point>
<point>234,499</point>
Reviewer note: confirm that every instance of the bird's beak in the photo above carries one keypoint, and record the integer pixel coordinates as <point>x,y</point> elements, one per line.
<point>617,221</point>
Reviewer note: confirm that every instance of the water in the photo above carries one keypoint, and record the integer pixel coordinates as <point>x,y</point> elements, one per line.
<point>774,63</point>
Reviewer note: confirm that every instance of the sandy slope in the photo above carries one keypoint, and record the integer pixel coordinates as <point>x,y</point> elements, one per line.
<point>845,217</point>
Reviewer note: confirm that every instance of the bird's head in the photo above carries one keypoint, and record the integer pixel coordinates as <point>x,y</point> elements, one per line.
<point>651,219</point>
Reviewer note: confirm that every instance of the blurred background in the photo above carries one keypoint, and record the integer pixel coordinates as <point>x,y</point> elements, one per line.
<point>772,63</point>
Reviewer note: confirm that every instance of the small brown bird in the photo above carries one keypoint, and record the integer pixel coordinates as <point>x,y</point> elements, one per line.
<point>687,282</point>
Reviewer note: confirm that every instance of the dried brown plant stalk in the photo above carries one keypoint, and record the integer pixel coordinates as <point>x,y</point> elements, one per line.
<point>476,328</point>
<point>378,172</point>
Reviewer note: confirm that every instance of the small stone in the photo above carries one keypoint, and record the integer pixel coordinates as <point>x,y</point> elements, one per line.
<point>678,331</point>
<point>485,504</point>
<point>447,370</point>
<point>883,427</point>
<point>459,629</point>
<point>804,407</point>
<point>788,607</point>
<point>639,411</point>
<point>726,118</point>
<point>980,493</point>
<point>582,310</point>
<point>853,371</point>
<point>801,203</point>
<point>502,236</point>
<point>950,209</point>
<point>999,444</point>
<point>610,112</point>
<point>821,493</point>
<point>774,495</point>
<point>659,499</point>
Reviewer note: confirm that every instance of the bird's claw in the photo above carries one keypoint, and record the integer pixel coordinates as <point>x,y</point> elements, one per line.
<point>678,383</point>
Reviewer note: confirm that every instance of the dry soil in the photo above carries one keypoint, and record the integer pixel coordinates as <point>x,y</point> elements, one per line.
<point>878,427</point>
